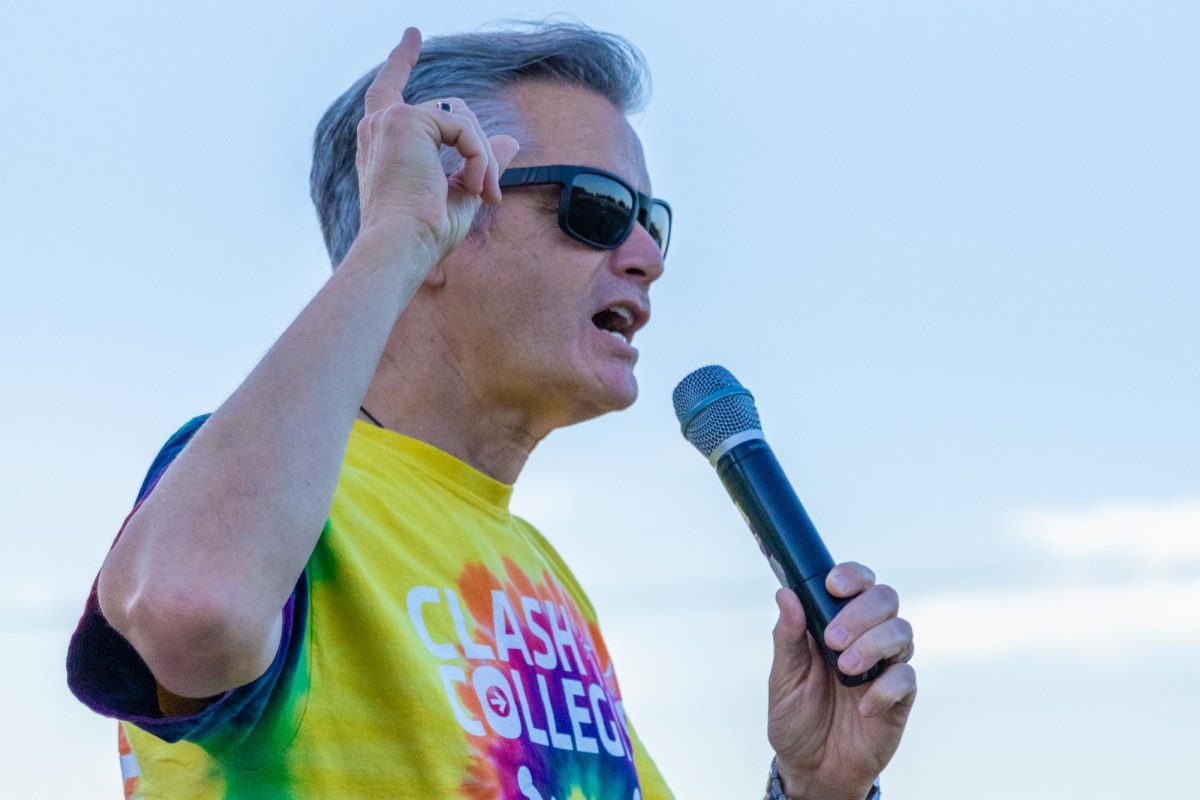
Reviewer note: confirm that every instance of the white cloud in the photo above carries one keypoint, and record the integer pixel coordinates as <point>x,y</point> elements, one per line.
<point>1087,623</point>
<point>1147,532</point>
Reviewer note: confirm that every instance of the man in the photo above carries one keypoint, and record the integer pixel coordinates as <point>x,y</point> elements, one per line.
<point>430,644</point>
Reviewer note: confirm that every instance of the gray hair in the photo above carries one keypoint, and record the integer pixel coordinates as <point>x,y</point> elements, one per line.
<point>479,68</point>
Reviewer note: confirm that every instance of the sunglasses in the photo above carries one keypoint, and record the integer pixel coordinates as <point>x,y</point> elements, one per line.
<point>596,207</point>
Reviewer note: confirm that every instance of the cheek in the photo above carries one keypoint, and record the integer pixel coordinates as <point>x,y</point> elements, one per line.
<point>539,302</point>
<point>529,320</point>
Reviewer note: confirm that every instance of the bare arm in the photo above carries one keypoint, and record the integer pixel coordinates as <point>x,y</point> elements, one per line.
<point>197,579</point>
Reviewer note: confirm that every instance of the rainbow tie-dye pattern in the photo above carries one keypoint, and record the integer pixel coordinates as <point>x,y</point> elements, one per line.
<point>436,647</point>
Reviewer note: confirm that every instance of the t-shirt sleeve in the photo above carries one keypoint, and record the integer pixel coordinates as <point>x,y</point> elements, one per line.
<point>106,673</point>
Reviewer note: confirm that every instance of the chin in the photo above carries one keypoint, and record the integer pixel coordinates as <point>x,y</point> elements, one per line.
<point>610,395</point>
<point>620,393</point>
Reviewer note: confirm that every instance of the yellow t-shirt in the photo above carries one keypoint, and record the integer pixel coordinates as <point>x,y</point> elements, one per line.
<point>438,647</point>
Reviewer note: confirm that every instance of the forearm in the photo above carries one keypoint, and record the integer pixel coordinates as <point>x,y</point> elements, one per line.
<point>200,573</point>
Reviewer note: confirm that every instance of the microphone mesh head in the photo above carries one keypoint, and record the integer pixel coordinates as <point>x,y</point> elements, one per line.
<point>712,405</point>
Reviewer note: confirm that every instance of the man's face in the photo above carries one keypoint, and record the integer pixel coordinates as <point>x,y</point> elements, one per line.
<point>525,307</point>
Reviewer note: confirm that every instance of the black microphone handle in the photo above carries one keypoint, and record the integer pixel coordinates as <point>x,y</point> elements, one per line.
<point>788,538</point>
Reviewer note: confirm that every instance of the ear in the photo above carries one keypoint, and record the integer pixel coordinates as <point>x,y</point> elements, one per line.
<point>467,253</point>
<point>436,277</point>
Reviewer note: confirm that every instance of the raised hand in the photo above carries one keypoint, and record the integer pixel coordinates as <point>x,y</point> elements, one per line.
<point>832,740</point>
<point>403,188</point>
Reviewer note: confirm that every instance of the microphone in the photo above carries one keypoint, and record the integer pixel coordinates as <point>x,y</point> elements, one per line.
<point>717,415</point>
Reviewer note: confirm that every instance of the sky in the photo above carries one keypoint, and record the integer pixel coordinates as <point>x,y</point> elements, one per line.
<point>953,249</point>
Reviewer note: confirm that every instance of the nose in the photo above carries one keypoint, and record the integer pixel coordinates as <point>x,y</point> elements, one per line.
<point>639,257</point>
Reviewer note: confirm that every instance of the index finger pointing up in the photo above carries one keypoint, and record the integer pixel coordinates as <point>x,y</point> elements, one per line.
<point>388,86</point>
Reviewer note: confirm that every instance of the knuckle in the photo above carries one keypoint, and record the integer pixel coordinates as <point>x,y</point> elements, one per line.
<point>887,594</point>
<point>890,682</point>
<point>902,677</point>
<point>854,573</point>
<point>882,688</point>
<point>396,112</point>
<point>906,679</point>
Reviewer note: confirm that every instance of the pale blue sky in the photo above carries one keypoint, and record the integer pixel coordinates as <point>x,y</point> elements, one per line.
<point>954,249</point>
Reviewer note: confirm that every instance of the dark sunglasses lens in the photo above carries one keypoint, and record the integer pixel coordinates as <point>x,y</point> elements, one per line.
<point>658,223</point>
<point>600,210</point>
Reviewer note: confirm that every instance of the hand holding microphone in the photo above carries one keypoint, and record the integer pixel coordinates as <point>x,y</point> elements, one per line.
<point>830,741</point>
<point>718,416</point>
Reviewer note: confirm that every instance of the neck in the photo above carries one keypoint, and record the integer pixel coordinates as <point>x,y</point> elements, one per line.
<point>419,391</point>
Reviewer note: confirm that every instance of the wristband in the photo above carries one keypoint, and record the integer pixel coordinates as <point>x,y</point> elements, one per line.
<point>775,786</point>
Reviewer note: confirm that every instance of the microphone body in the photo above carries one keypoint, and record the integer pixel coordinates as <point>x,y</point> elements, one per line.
<point>718,416</point>
<point>787,537</point>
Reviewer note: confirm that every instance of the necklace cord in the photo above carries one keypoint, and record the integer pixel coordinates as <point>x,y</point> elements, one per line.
<point>371,417</point>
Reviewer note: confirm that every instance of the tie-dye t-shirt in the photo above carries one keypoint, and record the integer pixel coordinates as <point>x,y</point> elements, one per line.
<point>436,646</point>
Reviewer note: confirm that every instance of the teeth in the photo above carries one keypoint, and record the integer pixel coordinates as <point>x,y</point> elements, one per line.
<point>623,312</point>
<point>617,334</point>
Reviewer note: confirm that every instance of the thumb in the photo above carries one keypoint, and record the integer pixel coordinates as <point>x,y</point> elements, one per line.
<point>793,651</point>
<point>505,149</point>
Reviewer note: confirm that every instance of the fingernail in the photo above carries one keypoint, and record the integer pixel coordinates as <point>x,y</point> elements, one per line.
<point>867,709</point>
<point>841,583</point>
<point>836,636</point>
<point>850,662</point>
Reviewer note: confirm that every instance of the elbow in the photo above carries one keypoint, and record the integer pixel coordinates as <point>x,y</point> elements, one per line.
<point>196,642</point>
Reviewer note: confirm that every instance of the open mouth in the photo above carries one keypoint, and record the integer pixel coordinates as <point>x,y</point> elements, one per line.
<point>616,320</point>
